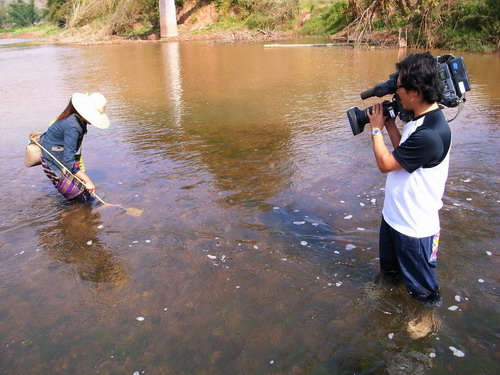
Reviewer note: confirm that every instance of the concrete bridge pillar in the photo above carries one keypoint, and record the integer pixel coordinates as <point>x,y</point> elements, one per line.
<point>168,19</point>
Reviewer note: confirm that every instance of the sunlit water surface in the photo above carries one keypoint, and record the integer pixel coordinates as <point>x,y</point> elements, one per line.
<point>256,251</point>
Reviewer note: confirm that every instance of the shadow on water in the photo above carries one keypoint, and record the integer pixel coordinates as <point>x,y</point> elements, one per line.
<point>72,238</point>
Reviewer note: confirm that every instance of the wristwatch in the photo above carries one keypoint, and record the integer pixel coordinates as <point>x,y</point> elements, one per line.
<point>376,131</point>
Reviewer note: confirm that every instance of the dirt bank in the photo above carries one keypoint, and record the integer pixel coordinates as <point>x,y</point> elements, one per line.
<point>85,36</point>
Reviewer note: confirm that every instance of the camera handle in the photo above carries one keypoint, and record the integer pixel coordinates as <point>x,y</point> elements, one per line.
<point>460,108</point>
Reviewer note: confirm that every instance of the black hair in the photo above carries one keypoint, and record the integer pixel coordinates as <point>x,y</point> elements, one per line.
<point>68,111</point>
<point>419,72</point>
<point>71,110</point>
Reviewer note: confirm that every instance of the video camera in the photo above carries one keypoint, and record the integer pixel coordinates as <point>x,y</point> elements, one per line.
<point>451,71</point>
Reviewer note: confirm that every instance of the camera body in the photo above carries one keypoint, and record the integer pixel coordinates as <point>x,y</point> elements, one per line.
<point>452,72</point>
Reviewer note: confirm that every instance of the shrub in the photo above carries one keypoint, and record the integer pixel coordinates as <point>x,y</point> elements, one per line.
<point>473,25</point>
<point>336,18</point>
<point>58,11</point>
<point>326,19</point>
<point>272,15</point>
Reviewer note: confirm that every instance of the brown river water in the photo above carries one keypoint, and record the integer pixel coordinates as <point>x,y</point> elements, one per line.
<point>257,248</point>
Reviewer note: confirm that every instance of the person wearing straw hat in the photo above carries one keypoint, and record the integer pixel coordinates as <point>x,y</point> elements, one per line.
<point>61,151</point>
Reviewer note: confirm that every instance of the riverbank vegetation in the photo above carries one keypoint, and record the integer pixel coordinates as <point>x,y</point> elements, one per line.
<point>455,24</point>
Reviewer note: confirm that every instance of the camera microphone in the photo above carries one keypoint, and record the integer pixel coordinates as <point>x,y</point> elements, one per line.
<point>367,94</point>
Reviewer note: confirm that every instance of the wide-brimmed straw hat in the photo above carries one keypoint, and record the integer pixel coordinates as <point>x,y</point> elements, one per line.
<point>92,108</point>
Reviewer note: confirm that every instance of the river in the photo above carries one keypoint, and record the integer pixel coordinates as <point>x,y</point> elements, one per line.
<point>257,248</point>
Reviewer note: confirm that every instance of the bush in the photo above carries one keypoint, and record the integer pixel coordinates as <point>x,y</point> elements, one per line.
<point>336,18</point>
<point>58,11</point>
<point>473,25</point>
<point>271,14</point>
<point>327,19</point>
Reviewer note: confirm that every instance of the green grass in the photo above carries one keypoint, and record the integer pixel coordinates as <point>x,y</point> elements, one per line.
<point>230,23</point>
<point>326,18</point>
<point>225,23</point>
<point>141,32</point>
<point>47,30</point>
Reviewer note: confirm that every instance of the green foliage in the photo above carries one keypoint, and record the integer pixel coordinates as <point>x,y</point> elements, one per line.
<point>230,22</point>
<point>336,17</point>
<point>273,15</point>
<point>260,14</point>
<point>473,25</point>
<point>138,17</point>
<point>241,5</point>
<point>326,19</point>
<point>140,21</point>
<point>22,14</point>
<point>58,11</point>
<point>151,13</point>
<point>3,15</point>
<point>470,24</point>
<point>223,5</point>
<point>459,24</point>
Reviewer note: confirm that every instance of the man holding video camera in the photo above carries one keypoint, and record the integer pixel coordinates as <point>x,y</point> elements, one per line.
<point>417,172</point>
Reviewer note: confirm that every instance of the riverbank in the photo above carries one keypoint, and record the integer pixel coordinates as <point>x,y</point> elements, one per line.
<point>218,36</point>
<point>85,36</point>
<point>454,29</point>
<point>88,36</point>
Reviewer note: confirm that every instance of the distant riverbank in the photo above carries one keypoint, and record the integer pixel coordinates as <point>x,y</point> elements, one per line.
<point>465,25</point>
<point>85,36</point>
<point>89,36</point>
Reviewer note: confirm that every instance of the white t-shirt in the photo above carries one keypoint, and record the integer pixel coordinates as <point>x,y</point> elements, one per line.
<point>413,194</point>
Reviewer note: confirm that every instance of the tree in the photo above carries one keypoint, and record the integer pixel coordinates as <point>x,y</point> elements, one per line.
<point>3,14</point>
<point>22,14</point>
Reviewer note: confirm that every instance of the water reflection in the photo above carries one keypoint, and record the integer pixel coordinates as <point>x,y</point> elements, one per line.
<point>72,237</point>
<point>248,165</point>
<point>171,60</point>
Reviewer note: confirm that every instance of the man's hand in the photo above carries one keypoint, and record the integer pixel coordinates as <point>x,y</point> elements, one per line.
<point>385,160</point>
<point>376,117</point>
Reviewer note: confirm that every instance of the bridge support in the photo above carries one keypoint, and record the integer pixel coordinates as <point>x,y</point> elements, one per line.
<point>168,19</point>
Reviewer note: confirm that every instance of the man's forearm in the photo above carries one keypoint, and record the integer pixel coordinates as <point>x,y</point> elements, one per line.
<point>385,160</point>
<point>394,135</point>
